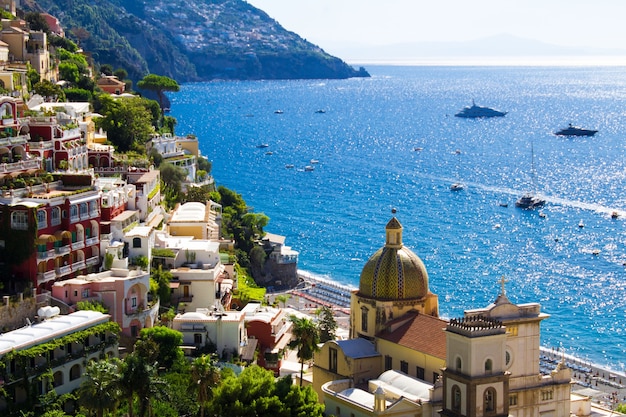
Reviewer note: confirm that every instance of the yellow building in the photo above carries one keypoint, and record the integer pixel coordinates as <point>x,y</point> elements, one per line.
<point>403,360</point>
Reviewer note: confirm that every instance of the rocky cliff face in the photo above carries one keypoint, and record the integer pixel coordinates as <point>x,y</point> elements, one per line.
<point>191,41</point>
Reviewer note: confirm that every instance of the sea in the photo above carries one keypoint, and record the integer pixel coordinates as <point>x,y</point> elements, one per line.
<point>390,145</point>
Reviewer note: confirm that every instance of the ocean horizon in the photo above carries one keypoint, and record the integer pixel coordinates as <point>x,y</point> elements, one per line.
<point>392,142</point>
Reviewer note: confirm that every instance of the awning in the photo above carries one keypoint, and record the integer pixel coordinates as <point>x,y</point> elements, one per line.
<point>45,239</point>
<point>247,353</point>
<point>174,285</point>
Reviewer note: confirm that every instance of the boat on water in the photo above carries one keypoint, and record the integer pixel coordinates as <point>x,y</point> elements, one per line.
<point>278,112</point>
<point>474,111</point>
<point>289,166</point>
<point>309,168</point>
<point>457,186</point>
<point>263,145</point>
<point>269,153</point>
<point>572,130</point>
<point>531,200</point>
<point>314,161</point>
<point>320,111</point>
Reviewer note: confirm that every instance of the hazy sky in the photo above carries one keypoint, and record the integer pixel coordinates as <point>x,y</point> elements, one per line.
<point>334,23</point>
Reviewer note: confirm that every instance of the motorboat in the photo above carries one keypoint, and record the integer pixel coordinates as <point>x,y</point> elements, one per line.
<point>572,130</point>
<point>309,168</point>
<point>457,186</point>
<point>263,145</point>
<point>530,201</point>
<point>314,161</point>
<point>320,111</point>
<point>474,111</point>
<point>289,166</point>
<point>269,153</point>
<point>278,112</point>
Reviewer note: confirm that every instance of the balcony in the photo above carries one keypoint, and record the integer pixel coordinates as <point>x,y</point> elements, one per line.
<point>63,270</point>
<point>77,266</point>
<point>48,254</point>
<point>92,261</point>
<point>62,250</point>
<point>92,241</point>
<point>78,245</point>
<point>43,277</point>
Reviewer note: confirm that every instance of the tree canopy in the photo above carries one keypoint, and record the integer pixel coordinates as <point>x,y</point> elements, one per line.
<point>159,84</point>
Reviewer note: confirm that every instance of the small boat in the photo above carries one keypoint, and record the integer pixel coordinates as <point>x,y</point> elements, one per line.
<point>263,145</point>
<point>542,215</point>
<point>581,224</point>
<point>269,153</point>
<point>503,204</point>
<point>572,130</point>
<point>278,112</point>
<point>309,168</point>
<point>320,111</point>
<point>595,252</point>
<point>457,186</point>
<point>288,166</point>
<point>417,149</point>
<point>614,215</point>
<point>474,111</point>
<point>314,161</point>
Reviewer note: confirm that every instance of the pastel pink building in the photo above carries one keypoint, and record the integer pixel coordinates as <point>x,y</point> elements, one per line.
<point>124,292</point>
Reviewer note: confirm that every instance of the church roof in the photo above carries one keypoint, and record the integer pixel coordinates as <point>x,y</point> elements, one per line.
<point>394,272</point>
<point>421,332</point>
<point>357,348</point>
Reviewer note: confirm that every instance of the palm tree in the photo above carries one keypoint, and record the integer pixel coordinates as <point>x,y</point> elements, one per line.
<point>100,389</point>
<point>306,339</point>
<point>138,378</point>
<point>205,375</point>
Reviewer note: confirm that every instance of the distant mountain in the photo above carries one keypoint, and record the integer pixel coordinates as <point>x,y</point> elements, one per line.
<point>191,40</point>
<point>497,46</point>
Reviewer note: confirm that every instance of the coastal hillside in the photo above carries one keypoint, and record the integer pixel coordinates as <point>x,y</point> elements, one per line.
<point>191,41</point>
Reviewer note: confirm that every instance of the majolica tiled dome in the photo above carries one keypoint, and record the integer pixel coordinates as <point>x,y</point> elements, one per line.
<point>394,272</point>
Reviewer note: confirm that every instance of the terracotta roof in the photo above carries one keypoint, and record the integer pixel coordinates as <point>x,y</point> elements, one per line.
<point>420,332</point>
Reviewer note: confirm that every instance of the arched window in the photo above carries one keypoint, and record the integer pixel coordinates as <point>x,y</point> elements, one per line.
<point>75,372</point>
<point>458,364</point>
<point>19,220</point>
<point>55,216</point>
<point>42,219</point>
<point>136,242</point>
<point>58,379</point>
<point>488,366</point>
<point>489,401</point>
<point>456,398</point>
<point>73,213</point>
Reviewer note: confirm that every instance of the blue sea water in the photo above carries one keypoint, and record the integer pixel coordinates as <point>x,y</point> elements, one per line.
<point>366,142</point>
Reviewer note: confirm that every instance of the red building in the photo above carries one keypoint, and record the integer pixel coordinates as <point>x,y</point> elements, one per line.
<point>272,329</point>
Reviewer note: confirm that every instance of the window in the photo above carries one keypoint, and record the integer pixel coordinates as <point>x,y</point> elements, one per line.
<point>133,302</point>
<point>55,216</point>
<point>134,331</point>
<point>511,330</point>
<point>74,372</point>
<point>388,362</point>
<point>364,319</point>
<point>58,379</point>
<point>83,210</point>
<point>332,366</point>
<point>490,401</point>
<point>338,411</point>
<point>73,213</point>
<point>488,366</point>
<point>456,398</point>
<point>75,293</point>
<point>136,242</point>
<point>458,364</point>
<point>419,372</point>
<point>547,395</point>
<point>404,367</point>
<point>507,358</point>
<point>86,293</point>
<point>42,222</point>
<point>19,220</point>
<point>435,376</point>
<point>197,338</point>
<point>513,399</point>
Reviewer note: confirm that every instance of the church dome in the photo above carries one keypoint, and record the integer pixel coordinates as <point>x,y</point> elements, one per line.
<point>394,272</point>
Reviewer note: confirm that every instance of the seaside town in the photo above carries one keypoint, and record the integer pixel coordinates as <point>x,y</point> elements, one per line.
<point>134,284</point>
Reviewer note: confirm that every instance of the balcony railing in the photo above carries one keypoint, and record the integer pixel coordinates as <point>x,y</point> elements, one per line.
<point>15,140</point>
<point>62,250</point>
<point>92,261</point>
<point>41,145</point>
<point>92,241</point>
<point>77,266</point>
<point>16,166</point>
<point>78,245</point>
<point>46,254</point>
<point>63,270</point>
<point>43,277</point>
